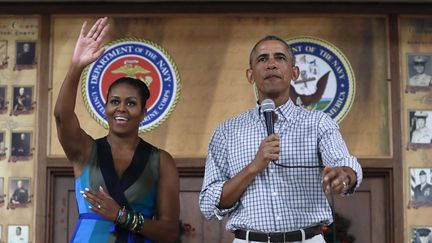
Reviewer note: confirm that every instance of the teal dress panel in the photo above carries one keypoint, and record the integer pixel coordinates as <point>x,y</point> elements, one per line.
<point>141,196</point>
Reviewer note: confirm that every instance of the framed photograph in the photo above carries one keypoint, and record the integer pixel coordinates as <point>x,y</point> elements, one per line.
<point>3,102</point>
<point>419,70</point>
<point>18,234</point>
<point>23,103</point>
<point>421,234</point>
<point>421,187</point>
<point>21,146</point>
<point>1,231</point>
<point>19,195</point>
<point>3,147</point>
<point>3,54</point>
<point>25,54</point>
<point>420,128</point>
<point>2,192</point>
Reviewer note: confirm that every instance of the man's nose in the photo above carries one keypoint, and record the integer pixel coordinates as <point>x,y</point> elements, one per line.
<point>271,64</point>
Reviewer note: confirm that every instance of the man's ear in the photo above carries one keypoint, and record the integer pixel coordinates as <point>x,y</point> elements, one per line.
<point>295,72</point>
<point>249,76</point>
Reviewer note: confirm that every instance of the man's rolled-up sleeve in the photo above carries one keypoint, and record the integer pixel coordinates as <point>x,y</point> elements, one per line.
<point>216,174</point>
<point>334,151</point>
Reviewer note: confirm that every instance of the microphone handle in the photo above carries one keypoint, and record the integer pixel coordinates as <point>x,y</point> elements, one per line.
<point>268,115</point>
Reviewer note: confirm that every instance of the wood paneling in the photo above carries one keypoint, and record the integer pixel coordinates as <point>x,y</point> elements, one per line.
<point>368,210</point>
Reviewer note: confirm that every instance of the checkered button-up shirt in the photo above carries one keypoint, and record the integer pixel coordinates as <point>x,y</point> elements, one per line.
<point>279,199</point>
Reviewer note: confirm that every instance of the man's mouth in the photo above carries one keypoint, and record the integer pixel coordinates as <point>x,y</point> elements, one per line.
<point>271,76</point>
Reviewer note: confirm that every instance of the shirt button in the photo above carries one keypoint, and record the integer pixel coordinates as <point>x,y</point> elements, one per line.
<point>278,217</point>
<point>271,170</point>
<point>274,193</point>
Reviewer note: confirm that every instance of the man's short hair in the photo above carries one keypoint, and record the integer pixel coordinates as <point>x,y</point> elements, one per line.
<point>272,37</point>
<point>422,172</point>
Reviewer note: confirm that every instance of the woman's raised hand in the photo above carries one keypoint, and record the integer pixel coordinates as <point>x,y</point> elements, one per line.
<point>88,47</point>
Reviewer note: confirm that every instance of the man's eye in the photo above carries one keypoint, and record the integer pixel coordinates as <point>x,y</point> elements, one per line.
<point>281,57</point>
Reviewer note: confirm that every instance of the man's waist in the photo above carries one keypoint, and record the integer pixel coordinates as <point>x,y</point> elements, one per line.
<point>297,235</point>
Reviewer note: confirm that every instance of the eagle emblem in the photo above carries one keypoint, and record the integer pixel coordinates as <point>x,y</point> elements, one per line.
<point>132,69</point>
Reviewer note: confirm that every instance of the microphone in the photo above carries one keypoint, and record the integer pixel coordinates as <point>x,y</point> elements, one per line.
<point>267,107</point>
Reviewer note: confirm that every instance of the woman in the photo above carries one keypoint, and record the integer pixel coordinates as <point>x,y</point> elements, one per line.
<point>126,189</point>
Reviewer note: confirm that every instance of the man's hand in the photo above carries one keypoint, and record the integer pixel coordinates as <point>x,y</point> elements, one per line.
<point>338,180</point>
<point>267,151</point>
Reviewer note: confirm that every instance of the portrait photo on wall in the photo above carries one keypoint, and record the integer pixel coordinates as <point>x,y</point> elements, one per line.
<point>23,103</point>
<point>3,54</point>
<point>19,195</point>
<point>421,234</point>
<point>420,128</point>
<point>421,187</point>
<point>3,102</point>
<point>25,55</point>
<point>419,70</point>
<point>2,190</point>
<point>21,147</point>
<point>3,147</point>
<point>18,234</point>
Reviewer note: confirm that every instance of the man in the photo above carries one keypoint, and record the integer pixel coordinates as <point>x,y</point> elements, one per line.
<point>18,237</point>
<point>2,149</point>
<point>420,78</point>
<point>423,191</point>
<point>421,134</point>
<point>22,101</point>
<point>20,195</point>
<point>21,146</point>
<point>422,236</point>
<point>265,201</point>
<point>26,56</point>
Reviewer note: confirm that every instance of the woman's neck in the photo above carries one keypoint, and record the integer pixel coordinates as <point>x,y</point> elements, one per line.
<point>123,142</point>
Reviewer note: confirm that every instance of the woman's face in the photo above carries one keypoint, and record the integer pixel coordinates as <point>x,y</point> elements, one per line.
<point>124,109</point>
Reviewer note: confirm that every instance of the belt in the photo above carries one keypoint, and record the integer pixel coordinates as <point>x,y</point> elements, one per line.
<point>279,237</point>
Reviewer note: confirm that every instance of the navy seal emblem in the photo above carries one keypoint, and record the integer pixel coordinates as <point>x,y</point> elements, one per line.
<point>140,59</point>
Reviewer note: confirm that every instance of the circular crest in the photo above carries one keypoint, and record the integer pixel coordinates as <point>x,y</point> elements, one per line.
<point>326,81</point>
<point>136,58</point>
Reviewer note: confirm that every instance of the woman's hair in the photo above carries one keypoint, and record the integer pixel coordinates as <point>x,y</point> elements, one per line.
<point>142,88</point>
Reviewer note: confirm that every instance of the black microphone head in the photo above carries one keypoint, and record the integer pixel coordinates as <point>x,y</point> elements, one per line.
<point>267,105</point>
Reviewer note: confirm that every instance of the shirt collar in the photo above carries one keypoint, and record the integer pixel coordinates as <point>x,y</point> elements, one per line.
<point>284,112</point>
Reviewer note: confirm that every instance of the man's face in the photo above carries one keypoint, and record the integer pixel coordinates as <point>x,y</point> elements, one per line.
<point>423,179</point>
<point>272,70</point>
<point>419,67</point>
<point>18,231</point>
<point>420,123</point>
<point>20,184</point>
<point>26,47</point>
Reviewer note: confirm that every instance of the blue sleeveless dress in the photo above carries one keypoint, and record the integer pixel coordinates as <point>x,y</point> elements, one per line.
<point>140,194</point>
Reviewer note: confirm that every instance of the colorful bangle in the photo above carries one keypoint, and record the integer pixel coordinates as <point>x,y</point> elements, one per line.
<point>120,214</point>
